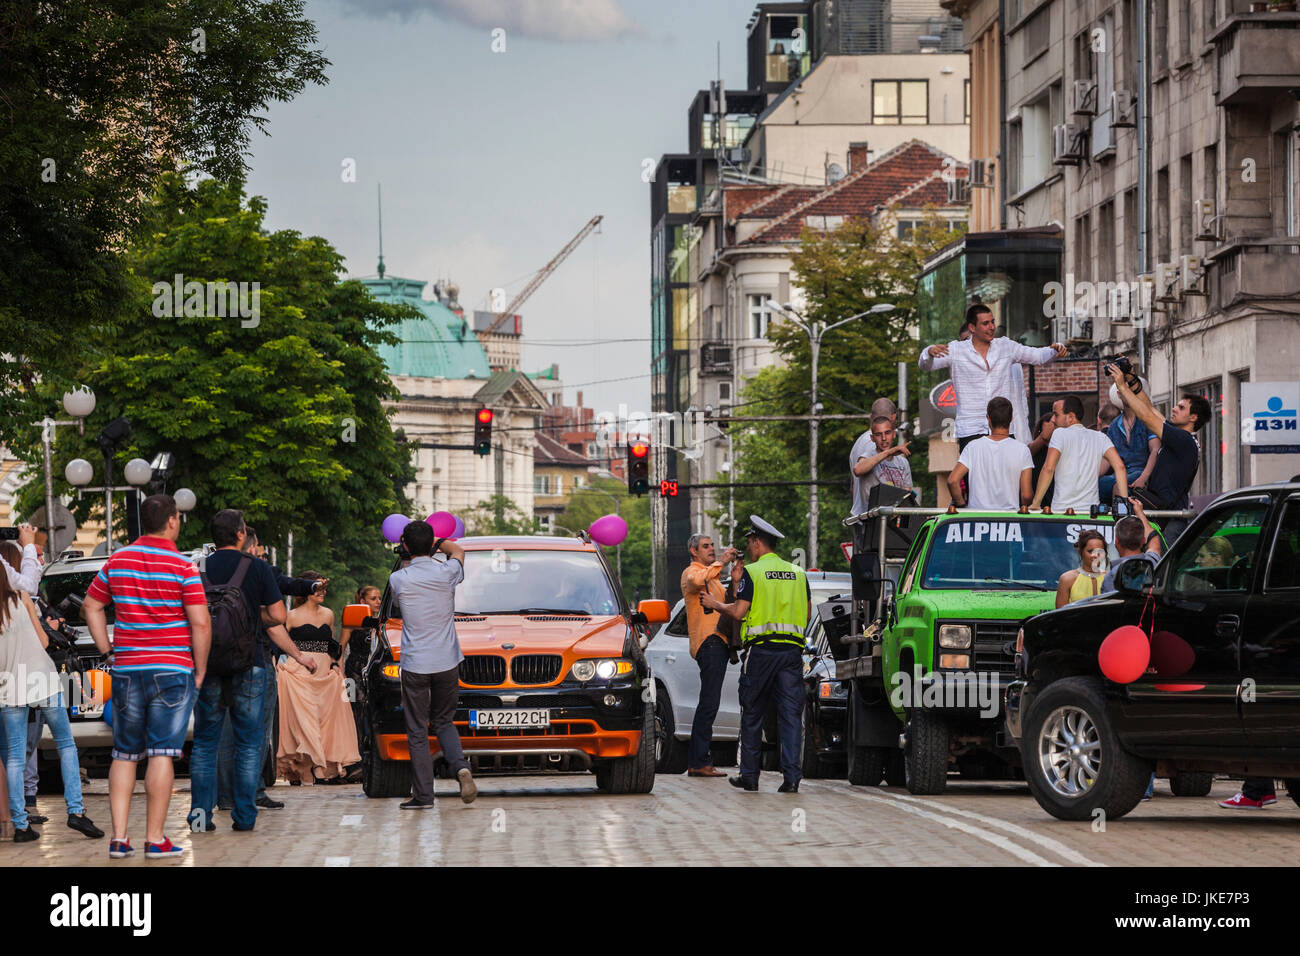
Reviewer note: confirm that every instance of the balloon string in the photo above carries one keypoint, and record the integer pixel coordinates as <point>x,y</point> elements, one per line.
<point>1142,616</point>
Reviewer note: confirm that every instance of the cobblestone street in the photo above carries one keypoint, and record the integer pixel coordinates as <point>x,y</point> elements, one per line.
<point>564,820</point>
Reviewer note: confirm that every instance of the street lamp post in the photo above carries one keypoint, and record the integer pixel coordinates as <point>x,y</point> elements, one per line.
<point>78,403</point>
<point>138,472</point>
<point>815,330</point>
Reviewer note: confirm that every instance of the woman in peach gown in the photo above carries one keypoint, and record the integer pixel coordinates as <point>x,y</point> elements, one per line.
<point>318,737</point>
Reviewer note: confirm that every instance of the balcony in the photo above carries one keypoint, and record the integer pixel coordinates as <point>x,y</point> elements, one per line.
<point>1246,269</point>
<point>715,359</point>
<point>1257,56</point>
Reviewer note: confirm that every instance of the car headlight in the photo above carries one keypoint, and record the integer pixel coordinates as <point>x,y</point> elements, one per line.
<point>954,635</point>
<point>604,668</point>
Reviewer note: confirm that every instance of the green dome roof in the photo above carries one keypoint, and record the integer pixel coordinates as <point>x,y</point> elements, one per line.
<point>438,345</point>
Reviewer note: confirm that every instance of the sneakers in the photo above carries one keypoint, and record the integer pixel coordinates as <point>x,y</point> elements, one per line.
<point>25,835</point>
<point>81,823</point>
<point>119,849</point>
<point>414,804</point>
<point>166,850</point>
<point>1242,802</point>
<point>468,788</point>
<point>266,803</point>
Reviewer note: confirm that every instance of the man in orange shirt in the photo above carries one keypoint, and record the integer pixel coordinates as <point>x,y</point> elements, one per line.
<point>708,647</point>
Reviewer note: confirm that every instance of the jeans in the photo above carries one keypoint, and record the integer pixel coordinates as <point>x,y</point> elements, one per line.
<point>33,743</point>
<point>1106,484</point>
<point>248,695</point>
<point>226,753</point>
<point>151,713</point>
<point>712,657</point>
<point>961,447</point>
<point>769,673</point>
<point>15,720</point>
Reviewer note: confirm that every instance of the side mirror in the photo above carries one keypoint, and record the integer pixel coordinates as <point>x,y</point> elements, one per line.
<point>358,615</point>
<point>1134,577</point>
<point>652,611</point>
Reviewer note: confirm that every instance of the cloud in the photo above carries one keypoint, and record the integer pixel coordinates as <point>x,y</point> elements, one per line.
<point>561,20</point>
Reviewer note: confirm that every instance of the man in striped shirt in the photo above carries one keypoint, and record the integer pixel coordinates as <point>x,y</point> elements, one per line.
<point>161,636</point>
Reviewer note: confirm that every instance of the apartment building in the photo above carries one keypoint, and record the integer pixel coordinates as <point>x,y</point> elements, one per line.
<point>1157,140</point>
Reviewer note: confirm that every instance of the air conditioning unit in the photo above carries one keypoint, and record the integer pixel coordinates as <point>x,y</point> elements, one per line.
<point>1085,98</point>
<point>1123,110</point>
<point>1166,276</point>
<point>738,155</point>
<point>1067,145</point>
<point>1207,229</point>
<point>1192,271</point>
<point>1073,328</point>
<point>981,174</point>
<point>958,190</point>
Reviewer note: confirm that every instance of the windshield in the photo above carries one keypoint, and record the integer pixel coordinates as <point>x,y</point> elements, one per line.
<point>505,582</point>
<point>1005,555</point>
<point>55,587</point>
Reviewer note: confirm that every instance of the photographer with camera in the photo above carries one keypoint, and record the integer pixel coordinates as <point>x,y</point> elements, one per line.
<point>1175,467</point>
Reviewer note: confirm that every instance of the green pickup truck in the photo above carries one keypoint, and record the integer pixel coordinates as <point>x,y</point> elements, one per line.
<point>935,638</point>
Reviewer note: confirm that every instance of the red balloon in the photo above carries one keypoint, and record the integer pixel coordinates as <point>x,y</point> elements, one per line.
<point>1124,654</point>
<point>1170,654</point>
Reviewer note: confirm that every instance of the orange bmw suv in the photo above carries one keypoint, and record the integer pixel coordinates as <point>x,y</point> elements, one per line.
<point>554,677</point>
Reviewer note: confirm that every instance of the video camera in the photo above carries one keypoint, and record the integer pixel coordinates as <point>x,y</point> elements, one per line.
<point>62,642</point>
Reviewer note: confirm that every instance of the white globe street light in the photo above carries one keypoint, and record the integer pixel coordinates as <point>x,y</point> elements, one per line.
<point>185,500</point>
<point>138,472</point>
<point>79,402</point>
<point>78,472</point>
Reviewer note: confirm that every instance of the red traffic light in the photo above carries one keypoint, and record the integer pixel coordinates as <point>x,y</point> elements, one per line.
<point>485,415</point>
<point>639,449</point>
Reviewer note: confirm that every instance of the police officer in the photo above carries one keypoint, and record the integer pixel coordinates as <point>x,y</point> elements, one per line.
<point>772,605</point>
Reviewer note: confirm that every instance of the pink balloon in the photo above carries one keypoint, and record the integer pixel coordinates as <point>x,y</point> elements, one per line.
<point>609,530</point>
<point>1124,654</point>
<point>442,523</point>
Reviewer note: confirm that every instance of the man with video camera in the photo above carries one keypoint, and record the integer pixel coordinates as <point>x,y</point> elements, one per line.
<point>1180,453</point>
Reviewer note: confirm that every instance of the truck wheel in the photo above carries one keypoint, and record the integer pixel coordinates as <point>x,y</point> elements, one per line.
<point>670,753</point>
<point>895,772</point>
<point>925,759</point>
<point>1073,761</point>
<point>635,774</point>
<point>866,765</point>
<point>1191,784</point>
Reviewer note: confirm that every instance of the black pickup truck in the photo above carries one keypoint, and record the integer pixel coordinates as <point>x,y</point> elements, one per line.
<point>1221,693</point>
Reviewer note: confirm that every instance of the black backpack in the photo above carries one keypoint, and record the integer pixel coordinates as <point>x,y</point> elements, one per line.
<point>234,631</point>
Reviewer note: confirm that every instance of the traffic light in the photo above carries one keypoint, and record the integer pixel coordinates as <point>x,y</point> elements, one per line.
<point>483,432</point>
<point>638,467</point>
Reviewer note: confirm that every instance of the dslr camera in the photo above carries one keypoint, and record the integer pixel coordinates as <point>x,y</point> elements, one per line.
<point>1126,368</point>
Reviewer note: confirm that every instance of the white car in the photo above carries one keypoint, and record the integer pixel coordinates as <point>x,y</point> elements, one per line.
<point>677,684</point>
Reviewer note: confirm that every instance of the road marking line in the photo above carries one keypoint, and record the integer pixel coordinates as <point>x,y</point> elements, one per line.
<point>338,861</point>
<point>1002,843</point>
<point>350,820</point>
<point>1047,843</point>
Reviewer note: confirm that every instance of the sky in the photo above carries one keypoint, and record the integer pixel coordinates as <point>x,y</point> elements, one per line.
<point>491,161</point>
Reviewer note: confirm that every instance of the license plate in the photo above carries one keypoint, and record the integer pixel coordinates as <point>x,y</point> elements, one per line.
<point>509,719</point>
<point>79,711</point>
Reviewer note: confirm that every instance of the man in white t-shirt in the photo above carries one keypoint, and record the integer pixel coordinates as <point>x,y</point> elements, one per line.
<point>1074,458</point>
<point>876,460</point>
<point>1000,467</point>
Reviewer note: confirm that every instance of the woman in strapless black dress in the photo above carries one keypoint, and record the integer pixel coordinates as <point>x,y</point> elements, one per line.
<point>318,737</point>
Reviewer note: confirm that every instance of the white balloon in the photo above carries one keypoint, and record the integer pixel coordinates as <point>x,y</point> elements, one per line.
<point>138,472</point>
<point>185,500</point>
<point>1114,392</point>
<point>78,472</point>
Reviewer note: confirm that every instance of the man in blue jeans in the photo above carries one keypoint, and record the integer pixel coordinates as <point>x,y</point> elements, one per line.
<point>242,694</point>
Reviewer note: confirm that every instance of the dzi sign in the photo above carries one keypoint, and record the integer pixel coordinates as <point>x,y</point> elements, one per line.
<point>1269,420</point>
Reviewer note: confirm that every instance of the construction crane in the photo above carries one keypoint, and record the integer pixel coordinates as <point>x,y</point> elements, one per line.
<point>542,275</point>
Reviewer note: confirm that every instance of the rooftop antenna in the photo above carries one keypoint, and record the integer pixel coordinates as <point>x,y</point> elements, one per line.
<point>380,190</point>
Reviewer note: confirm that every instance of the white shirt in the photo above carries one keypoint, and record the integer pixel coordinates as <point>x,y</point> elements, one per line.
<point>29,578</point>
<point>1082,450</point>
<point>426,594</point>
<point>995,468</point>
<point>892,471</point>
<point>976,381</point>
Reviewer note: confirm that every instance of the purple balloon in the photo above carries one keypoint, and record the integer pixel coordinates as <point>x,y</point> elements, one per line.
<point>442,523</point>
<point>460,529</point>
<point>393,527</point>
<point>609,530</point>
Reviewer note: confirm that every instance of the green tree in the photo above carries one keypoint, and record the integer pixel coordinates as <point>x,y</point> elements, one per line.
<point>841,272</point>
<point>282,414</point>
<point>588,503</point>
<point>498,515</point>
<point>100,97</point>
